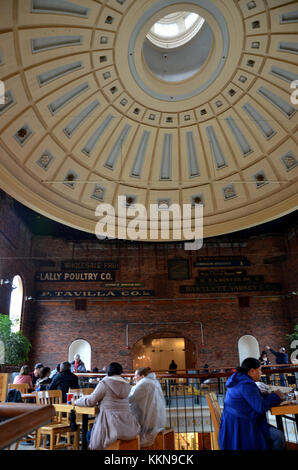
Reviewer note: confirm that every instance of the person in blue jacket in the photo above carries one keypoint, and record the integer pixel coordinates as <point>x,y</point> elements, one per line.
<point>243,423</point>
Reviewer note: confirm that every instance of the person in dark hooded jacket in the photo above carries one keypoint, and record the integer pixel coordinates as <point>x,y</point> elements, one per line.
<point>243,423</point>
<point>64,380</point>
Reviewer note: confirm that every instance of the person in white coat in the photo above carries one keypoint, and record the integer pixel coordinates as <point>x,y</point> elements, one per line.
<point>147,403</point>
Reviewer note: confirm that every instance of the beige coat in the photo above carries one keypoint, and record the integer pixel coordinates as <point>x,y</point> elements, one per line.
<point>115,419</point>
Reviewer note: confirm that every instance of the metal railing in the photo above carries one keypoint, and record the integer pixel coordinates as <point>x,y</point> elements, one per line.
<point>187,409</point>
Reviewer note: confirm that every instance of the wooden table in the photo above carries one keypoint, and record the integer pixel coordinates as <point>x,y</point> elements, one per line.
<point>85,411</point>
<point>282,410</point>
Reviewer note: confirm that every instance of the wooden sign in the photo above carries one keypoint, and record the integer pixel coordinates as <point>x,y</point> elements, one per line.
<point>205,289</point>
<point>214,261</point>
<point>74,276</point>
<point>123,284</point>
<point>221,272</point>
<point>229,280</point>
<point>89,265</point>
<point>178,269</point>
<point>94,293</point>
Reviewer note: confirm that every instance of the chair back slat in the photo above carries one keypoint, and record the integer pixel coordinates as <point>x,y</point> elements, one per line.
<point>215,413</point>
<point>23,388</point>
<point>3,386</point>
<point>49,397</point>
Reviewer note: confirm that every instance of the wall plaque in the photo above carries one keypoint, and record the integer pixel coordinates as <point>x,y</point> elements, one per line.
<point>123,284</point>
<point>178,269</point>
<point>221,272</point>
<point>239,280</point>
<point>214,261</point>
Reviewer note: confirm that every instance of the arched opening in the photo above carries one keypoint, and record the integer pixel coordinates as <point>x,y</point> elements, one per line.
<point>83,348</point>
<point>248,346</point>
<point>16,303</point>
<point>159,349</point>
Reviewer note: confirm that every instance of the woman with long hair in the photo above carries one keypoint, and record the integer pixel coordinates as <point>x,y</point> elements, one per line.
<point>24,377</point>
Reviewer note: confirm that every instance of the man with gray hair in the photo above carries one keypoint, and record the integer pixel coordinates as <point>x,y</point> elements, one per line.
<point>77,365</point>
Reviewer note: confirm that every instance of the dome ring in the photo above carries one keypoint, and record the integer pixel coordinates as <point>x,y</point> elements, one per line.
<point>160,5</point>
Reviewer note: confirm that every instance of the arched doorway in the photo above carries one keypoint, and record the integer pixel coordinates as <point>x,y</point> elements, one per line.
<point>157,351</point>
<point>16,303</point>
<point>248,346</point>
<point>83,348</point>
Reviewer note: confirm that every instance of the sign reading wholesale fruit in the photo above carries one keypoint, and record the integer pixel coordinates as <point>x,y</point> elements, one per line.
<point>72,265</point>
<point>95,293</point>
<point>80,276</point>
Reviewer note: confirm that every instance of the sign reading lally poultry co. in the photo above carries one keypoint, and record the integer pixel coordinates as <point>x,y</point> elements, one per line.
<point>71,276</point>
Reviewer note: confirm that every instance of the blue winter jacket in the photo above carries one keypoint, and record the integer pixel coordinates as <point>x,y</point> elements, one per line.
<point>243,423</point>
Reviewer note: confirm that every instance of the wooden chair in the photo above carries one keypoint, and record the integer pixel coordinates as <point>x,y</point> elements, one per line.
<point>169,439</point>
<point>131,444</point>
<point>3,386</point>
<point>57,428</point>
<point>165,440</point>
<point>23,388</point>
<point>215,413</point>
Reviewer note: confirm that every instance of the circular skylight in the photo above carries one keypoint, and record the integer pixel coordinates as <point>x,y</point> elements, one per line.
<point>176,29</point>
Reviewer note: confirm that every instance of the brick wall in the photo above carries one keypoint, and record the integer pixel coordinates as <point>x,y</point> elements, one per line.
<point>103,324</point>
<point>104,327</point>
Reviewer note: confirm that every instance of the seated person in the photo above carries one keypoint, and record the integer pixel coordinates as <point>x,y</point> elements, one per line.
<point>36,373</point>
<point>243,423</point>
<point>77,365</point>
<point>55,372</point>
<point>24,377</point>
<point>147,402</point>
<point>115,419</point>
<point>94,380</point>
<point>64,380</point>
<point>44,379</point>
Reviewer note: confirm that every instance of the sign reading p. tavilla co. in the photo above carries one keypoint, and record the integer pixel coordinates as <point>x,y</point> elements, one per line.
<point>95,293</point>
<point>75,276</point>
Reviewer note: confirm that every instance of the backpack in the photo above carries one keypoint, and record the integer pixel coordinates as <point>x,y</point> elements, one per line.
<point>14,396</point>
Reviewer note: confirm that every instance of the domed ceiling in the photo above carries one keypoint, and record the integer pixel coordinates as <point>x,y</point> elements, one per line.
<point>93,109</point>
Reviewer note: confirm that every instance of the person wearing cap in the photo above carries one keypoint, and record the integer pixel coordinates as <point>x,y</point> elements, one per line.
<point>36,373</point>
<point>281,358</point>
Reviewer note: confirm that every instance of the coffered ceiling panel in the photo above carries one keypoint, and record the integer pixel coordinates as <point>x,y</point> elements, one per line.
<point>92,110</point>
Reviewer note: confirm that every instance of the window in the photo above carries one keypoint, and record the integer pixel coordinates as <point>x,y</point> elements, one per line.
<point>176,29</point>
<point>16,303</point>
